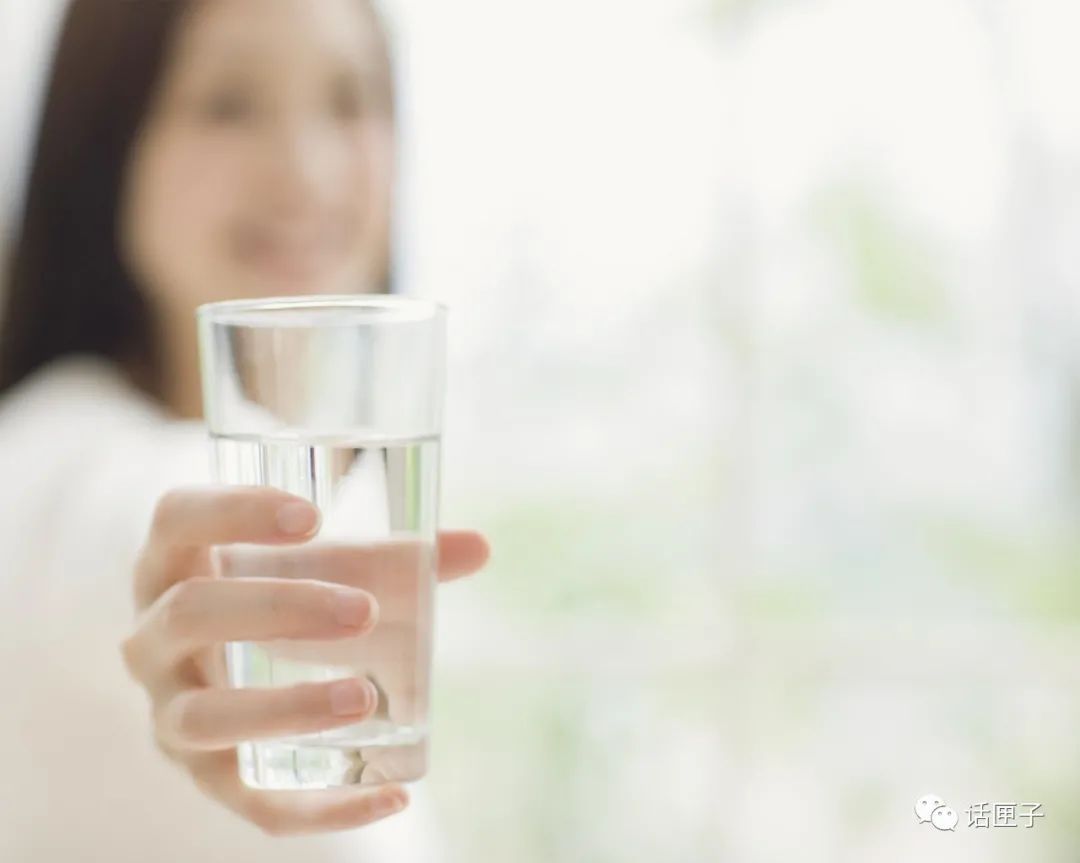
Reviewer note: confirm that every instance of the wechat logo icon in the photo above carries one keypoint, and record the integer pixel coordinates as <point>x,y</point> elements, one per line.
<point>932,808</point>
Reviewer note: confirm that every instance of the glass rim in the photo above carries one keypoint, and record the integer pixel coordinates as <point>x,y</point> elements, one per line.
<point>365,308</point>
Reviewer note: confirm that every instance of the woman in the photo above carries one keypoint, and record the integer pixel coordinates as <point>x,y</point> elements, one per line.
<point>188,152</point>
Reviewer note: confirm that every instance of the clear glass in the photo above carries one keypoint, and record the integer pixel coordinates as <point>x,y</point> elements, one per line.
<point>339,400</point>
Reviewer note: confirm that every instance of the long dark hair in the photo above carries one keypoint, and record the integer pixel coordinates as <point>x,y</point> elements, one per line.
<point>67,289</point>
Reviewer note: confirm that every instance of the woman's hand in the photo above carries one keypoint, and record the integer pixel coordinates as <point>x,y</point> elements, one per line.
<point>186,613</point>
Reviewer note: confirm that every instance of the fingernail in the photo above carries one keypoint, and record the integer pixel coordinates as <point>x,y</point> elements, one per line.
<point>393,803</point>
<point>351,697</point>
<point>352,608</point>
<point>297,518</point>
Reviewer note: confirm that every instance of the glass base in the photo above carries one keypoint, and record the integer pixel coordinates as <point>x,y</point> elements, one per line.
<point>288,765</point>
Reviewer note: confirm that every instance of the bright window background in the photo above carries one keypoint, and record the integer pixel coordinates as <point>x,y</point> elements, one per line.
<point>765,384</point>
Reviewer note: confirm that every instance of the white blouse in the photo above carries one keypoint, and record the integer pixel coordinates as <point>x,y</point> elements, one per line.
<point>83,458</point>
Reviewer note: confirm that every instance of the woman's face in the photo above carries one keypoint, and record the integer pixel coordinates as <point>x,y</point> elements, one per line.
<point>264,165</point>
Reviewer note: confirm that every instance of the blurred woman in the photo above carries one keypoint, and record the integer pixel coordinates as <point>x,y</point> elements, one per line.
<point>189,151</point>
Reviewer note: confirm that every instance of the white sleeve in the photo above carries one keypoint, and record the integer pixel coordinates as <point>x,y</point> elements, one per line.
<point>82,460</point>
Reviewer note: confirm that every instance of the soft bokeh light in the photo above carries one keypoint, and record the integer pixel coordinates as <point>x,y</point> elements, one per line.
<point>764,383</point>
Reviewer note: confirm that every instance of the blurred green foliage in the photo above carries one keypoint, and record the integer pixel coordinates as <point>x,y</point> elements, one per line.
<point>892,271</point>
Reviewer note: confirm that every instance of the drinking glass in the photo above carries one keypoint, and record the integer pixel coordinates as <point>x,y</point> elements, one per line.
<point>337,399</point>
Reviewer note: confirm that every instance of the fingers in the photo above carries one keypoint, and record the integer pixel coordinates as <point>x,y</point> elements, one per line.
<point>288,813</point>
<point>289,593</point>
<point>207,719</point>
<point>398,573</point>
<point>187,521</point>
<point>461,552</point>
<point>379,562</point>
<point>199,612</point>
<point>223,514</point>
<point>396,570</point>
<point>285,813</point>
